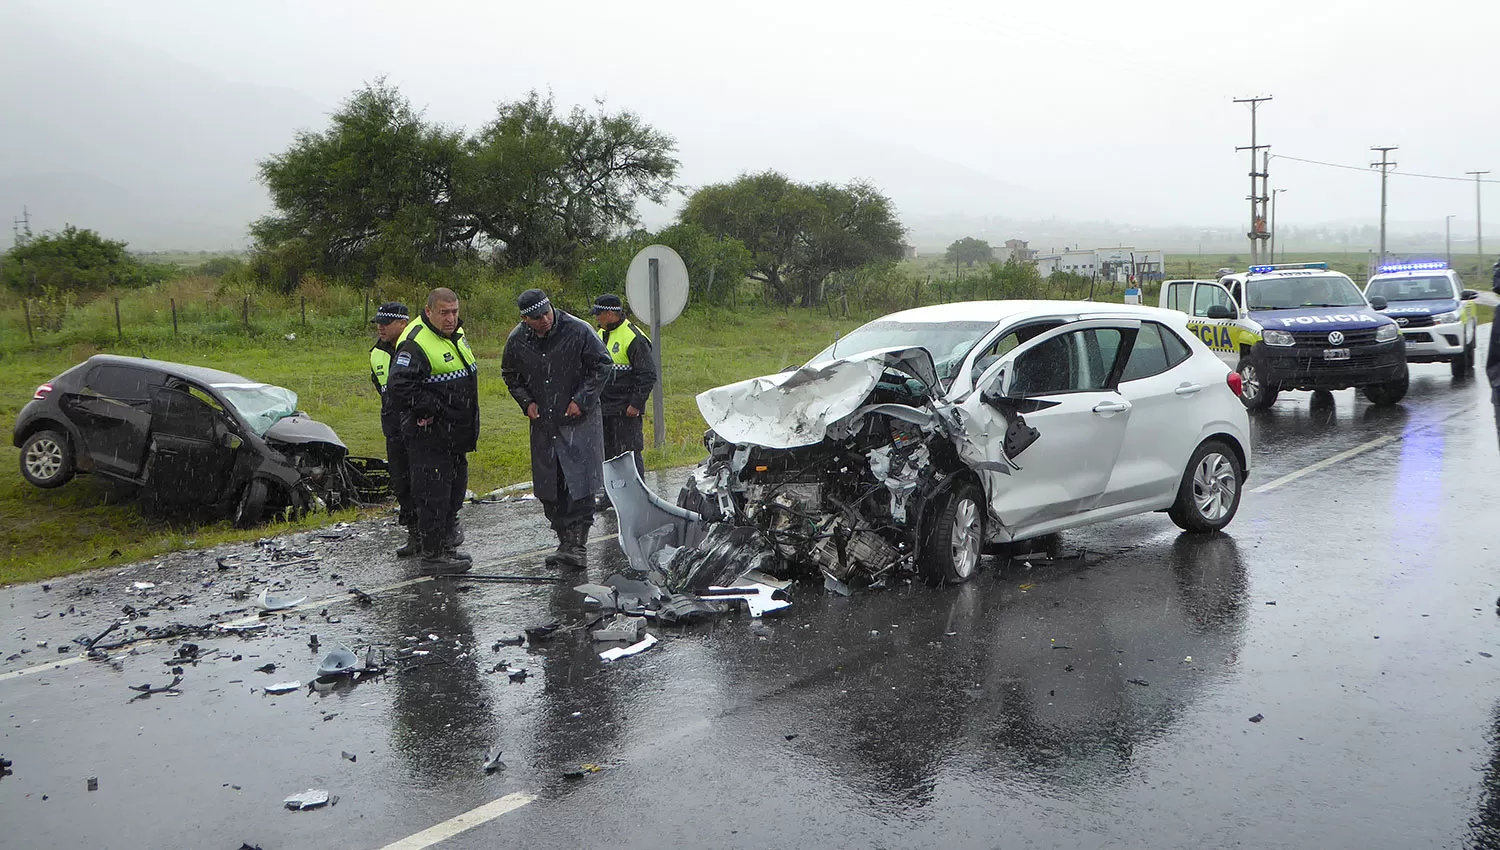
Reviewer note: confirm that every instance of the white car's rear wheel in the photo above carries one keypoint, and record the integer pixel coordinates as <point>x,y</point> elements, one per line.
<point>1209,495</point>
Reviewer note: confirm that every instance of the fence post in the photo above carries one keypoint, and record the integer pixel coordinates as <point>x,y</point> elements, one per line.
<point>367,307</point>
<point>30,334</point>
<point>304,311</point>
<point>247,312</point>
<point>119,333</point>
<point>174,318</point>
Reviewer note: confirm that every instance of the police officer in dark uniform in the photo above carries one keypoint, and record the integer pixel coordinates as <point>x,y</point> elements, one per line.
<point>554,367</point>
<point>390,322</point>
<point>632,377</point>
<point>435,386</point>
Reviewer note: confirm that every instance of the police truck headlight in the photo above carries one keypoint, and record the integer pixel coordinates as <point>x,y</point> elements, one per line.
<point>1280,338</point>
<point>1447,318</point>
<point>1387,333</point>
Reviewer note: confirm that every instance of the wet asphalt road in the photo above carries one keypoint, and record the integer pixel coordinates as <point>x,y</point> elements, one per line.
<point>1095,702</point>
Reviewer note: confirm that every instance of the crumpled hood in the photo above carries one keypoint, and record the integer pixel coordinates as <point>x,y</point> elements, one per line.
<point>792,409</point>
<point>1421,308</point>
<point>298,429</point>
<point>1320,319</point>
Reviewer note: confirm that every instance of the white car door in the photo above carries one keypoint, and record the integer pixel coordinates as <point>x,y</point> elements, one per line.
<point>1062,384</point>
<point>1164,386</point>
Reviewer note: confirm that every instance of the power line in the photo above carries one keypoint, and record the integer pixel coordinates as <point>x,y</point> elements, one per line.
<point>1368,171</point>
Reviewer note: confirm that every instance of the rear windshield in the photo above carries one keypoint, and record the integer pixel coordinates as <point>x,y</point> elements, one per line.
<point>1411,288</point>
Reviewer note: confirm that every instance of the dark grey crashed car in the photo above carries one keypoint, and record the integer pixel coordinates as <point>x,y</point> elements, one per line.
<point>190,438</point>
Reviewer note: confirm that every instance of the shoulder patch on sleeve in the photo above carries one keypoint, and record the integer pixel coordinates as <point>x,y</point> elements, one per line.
<point>403,359</point>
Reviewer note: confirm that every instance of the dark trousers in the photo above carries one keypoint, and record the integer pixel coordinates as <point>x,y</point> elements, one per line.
<point>399,465</point>
<point>625,434</point>
<point>439,477</point>
<point>565,512</point>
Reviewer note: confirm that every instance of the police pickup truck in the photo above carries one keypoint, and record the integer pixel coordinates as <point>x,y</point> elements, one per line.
<point>1295,327</point>
<point>1436,314</point>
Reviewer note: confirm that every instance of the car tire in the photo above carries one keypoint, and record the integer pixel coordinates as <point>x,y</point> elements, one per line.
<point>1463,365</point>
<point>47,460</point>
<point>955,539</point>
<point>1388,393</point>
<point>1209,495</point>
<point>1254,393</point>
<point>252,504</point>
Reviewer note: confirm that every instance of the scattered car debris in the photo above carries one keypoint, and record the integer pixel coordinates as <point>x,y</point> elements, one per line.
<point>542,632</point>
<point>581,771</point>
<point>93,783</point>
<point>1142,682</point>
<point>143,691</point>
<point>5,767</point>
<point>492,760</point>
<point>619,652</point>
<point>343,663</point>
<point>518,675</point>
<point>364,599</point>
<point>345,754</point>
<point>266,668</point>
<point>312,798</point>
<point>143,585</point>
<point>267,602</point>
<point>282,688</point>
<point>509,640</point>
<point>1257,718</point>
<point>620,627</point>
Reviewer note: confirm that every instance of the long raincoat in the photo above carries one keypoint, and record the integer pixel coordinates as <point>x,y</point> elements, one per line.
<point>569,364</point>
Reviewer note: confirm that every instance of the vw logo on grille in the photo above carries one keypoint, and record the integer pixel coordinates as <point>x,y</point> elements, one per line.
<point>1403,321</point>
<point>1336,338</point>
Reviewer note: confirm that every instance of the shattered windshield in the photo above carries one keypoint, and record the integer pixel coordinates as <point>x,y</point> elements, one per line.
<point>1291,293</point>
<point>260,405</point>
<point>948,343</point>
<point>1411,289</point>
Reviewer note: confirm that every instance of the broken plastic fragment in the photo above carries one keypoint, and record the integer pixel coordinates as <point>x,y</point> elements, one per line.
<point>543,632</point>
<point>312,798</point>
<point>143,585</point>
<point>619,652</point>
<point>267,602</point>
<point>492,760</point>
<point>282,688</point>
<point>339,662</point>
<point>620,627</point>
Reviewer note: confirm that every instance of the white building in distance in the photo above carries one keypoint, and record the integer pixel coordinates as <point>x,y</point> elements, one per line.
<point>1118,265</point>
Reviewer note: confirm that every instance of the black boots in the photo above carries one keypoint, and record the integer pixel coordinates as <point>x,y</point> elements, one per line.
<point>572,548</point>
<point>443,562</point>
<point>413,544</point>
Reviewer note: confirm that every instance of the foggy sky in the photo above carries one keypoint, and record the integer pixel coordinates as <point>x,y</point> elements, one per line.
<point>1074,110</point>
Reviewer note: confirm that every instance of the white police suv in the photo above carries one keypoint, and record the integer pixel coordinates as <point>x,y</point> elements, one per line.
<point>1436,314</point>
<point>1295,327</point>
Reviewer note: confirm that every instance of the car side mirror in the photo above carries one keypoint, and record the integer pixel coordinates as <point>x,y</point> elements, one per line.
<point>1219,311</point>
<point>231,441</point>
<point>1469,294</point>
<point>1378,302</point>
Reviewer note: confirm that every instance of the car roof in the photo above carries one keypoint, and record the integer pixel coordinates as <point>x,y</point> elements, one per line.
<point>198,374</point>
<point>1449,273</point>
<point>1002,311</point>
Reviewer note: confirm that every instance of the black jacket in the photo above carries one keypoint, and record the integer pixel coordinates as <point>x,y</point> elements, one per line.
<point>390,417</point>
<point>452,404</point>
<point>566,365</point>
<point>630,388</point>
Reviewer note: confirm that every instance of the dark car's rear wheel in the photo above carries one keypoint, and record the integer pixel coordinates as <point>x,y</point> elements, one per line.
<point>46,459</point>
<point>252,504</point>
<point>956,539</point>
<point>1255,392</point>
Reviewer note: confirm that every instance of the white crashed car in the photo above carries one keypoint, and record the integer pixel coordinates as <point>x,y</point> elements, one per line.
<point>919,438</point>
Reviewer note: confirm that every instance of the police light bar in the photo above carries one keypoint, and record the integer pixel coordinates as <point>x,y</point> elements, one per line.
<point>1413,267</point>
<point>1278,267</point>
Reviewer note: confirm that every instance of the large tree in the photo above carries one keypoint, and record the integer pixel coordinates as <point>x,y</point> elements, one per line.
<point>385,190</point>
<point>798,234</point>
<point>969,251</point>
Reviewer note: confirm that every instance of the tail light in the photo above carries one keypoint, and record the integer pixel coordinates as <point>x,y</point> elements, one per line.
<point>41,392</point>
<point>1236,385</point>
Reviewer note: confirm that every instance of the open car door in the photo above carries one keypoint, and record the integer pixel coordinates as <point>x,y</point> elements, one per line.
<point>192,446</point>
<point>1045,424</point>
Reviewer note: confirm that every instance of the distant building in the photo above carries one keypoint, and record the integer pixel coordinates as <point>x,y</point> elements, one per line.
<point>1014,249</point>
<point>908,251</point>
<point>1117,265</point>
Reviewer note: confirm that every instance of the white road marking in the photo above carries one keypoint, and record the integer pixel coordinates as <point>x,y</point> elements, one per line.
<point>1323,464</point>
<point>341,599</point>
<point>466,821</point>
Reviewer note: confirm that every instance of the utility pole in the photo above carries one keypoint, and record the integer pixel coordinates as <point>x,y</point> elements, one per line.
<point>1478,224</point>
<point>1258,194</point>
<point>1385,166</point>
<point>1448,240</point>
<point>1274,193</point>
<point>20,228</point>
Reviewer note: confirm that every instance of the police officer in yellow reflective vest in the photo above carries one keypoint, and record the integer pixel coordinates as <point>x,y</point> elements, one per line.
<point>390,322</point>
<point>435,387</point>
<point>632,376</point>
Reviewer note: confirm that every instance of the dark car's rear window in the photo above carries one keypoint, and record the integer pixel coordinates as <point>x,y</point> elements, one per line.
<point>122,382</point>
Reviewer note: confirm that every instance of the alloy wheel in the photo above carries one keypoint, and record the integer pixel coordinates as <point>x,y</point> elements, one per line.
<point>965,540</point>
<point>44,459</point>
<point>1214,486</point>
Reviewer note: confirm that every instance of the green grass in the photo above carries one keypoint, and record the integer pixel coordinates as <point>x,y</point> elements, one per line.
<point>82,525</point>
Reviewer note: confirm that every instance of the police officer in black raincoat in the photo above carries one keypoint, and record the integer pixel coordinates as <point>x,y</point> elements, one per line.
<point>435,384</point>
<point>554,366</point>
<point>1492,360</point>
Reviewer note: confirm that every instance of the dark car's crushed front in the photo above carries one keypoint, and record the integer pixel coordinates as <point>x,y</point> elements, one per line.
<point>190,438</point>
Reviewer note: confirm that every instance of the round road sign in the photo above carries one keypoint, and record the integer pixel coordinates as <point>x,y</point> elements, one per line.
<point>671,278</point>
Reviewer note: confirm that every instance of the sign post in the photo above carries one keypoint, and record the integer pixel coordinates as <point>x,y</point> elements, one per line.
<point>657,288</point>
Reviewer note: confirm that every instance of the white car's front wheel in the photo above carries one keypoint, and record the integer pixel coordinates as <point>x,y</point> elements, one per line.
<point>956,539</point>
<point>1209,495</point>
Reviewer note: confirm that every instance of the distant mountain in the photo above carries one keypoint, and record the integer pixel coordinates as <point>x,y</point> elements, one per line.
<point>131,143</point>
